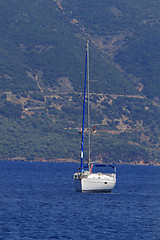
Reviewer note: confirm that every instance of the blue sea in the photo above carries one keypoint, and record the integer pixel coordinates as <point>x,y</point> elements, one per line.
<point>38,201</point>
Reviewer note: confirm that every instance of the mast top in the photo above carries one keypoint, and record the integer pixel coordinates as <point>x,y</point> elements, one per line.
<point>87,43</point>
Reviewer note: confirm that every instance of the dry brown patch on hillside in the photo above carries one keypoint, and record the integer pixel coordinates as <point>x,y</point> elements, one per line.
<point>59,3</point>
<point>143,137</point>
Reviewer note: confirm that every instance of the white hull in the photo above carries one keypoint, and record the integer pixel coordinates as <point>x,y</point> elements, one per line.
<point>94,182</point>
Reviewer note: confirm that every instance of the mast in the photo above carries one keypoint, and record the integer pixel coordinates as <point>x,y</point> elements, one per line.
<point>89,137</point>
<point>84,98</point>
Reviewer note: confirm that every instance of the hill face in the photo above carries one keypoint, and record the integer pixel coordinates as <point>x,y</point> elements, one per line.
<point>126,32</point>
<point>40,38</point>
<point>42,73</point>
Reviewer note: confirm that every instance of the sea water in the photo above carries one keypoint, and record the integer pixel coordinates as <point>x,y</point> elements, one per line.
<point>38,201</point>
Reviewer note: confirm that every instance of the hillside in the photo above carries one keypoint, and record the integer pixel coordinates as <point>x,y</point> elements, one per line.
<point>127,32</point>
<point>42,74</point>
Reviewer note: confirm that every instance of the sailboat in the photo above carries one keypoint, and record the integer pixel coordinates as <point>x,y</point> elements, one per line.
<point>86,179</point>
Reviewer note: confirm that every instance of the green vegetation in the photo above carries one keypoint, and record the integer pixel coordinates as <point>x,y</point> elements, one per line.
<point>36,37</point>
<point>33,137</point>
<point>142,58</point>
<point>134,28</point>
<point>42,72</point>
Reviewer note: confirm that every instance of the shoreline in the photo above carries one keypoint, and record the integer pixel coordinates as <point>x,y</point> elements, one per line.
<point>66,160</point>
